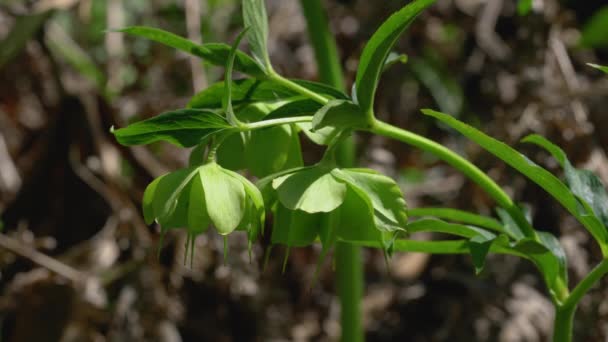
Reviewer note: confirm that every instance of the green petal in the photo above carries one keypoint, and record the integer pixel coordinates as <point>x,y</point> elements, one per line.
<point>313,190</point>
<point>225,198</point>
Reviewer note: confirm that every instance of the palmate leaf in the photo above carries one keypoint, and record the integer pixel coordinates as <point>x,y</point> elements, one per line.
<point>378,48</point>
<point>583,183</point>
<point>182,127</point>
<point>534,172</point>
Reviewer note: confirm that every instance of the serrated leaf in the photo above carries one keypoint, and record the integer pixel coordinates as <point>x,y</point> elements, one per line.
<point>214,53</point>
<point>534,172</point>
<point>458,216</point>
<point>599,67</point>
<point>256,20</point>
<point>312,190</point>
<point>182,127</point>
<point>227,196</point>
<point>340,114</point>
<point>594,30</point>
<point>384,194</point>
<point>583,183</point>
<point>377,50</point>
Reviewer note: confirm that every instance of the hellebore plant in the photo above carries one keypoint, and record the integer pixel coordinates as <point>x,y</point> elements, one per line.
<point>254,123</point>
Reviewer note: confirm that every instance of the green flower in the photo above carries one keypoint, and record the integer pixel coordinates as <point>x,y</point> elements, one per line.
<point>197,197</point>
<point>332,204</point>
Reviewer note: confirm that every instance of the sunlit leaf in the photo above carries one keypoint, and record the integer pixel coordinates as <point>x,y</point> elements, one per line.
<point>182,127</point>
<point>378,48</point>
<point>313,190</point>
<point>340,114</point>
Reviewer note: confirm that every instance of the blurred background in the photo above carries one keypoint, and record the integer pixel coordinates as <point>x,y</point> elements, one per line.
<point>77,262</point>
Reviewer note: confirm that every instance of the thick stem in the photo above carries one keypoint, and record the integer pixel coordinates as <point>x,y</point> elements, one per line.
<point>349,273</point>
<point>348,257</point>
<point>563,323</point>
<point>564,314</point>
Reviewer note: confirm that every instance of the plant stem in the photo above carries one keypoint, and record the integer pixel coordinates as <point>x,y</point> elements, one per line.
<point>297,88</point>
<point>460,163</point>
<point>349,269</point>
<point>275,122</point>
<point>326,52</point>
<point>564,314</point>
<point>562,325</point>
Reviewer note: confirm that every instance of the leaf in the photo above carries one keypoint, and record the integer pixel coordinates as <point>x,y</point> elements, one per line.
<point>439,226</point>
<point>510,226</point>
<point>340,114</point>
<point>377,50</point>
<point>225,197</point>
<point>163,196</point>
<point>214,53</point>
<point>446,91</point>
<point>294,108</point>
<point>479,247</point>
<point>227,96</point>
<point>249,90</point>
<point>394,58</point>
<point>23,30</point>
<point>599,67</point>
<point>458,216</point>
<point>231,153</point>
<point>537,174</point>
<point>524,7</point>
<point>356,221</point>
<point>312,190</point>
<point>182,127</point>
<point>256,20</point>
<point>268,149</point>
<point>583,183</point>
<point>294,228</point>
<point>593,34</point>
<point>384,193</point>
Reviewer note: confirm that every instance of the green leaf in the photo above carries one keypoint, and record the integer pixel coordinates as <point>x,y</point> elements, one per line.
<point>524,7</point>
<point>268,150</point>
<point>593,34</point>
<point>250,90</point>
<point>394,58</point>
<point>164,196</point>
<point>294,228</point>
<point>446,91</point>
<point>458,216</point>
<point>340,114</point>
<point>377,50</point>
<point>511,227</point>
<point>225,196</point>
<point>385,195</point>
<point>294,108</point>
<point>439,226</point>
<point>537,174</point>
<point>227,96</point>
<point>599,67</point>
<point>256,20</point>
<point>23,30</point>
<point>182,127</point>
<point>479,247</point>
<point>214,53</point>
<point>356,221</point>
<point>583,183</point>
<point>311,190</point>
<point>231,153</point>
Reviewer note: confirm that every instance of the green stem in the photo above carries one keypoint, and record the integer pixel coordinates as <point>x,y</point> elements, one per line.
<point>326,52</point>
<point>297,88</point>
<point>458,162</point>
<point>274,122</point>
<point>564,314</point>
<point>349,274</point>
<point>349,269</point>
